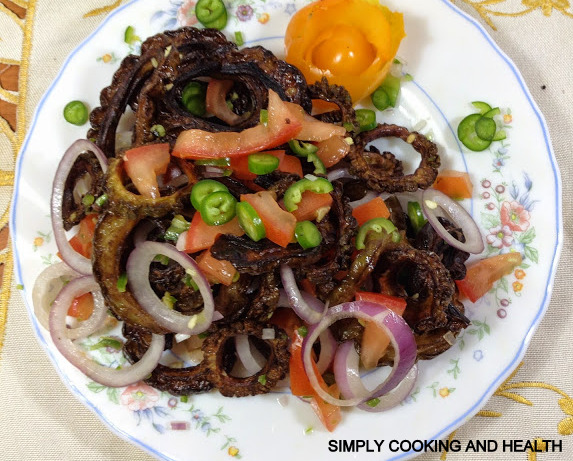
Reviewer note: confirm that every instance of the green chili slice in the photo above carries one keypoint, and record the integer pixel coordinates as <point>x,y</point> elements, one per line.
<point>374,225</point>
<point>250,221</point>
<point>76,113</point>
<point>468,135</point>
<point>262,163</point>
<point>319,167</point>
<point>485,128</point>
<point>366,119</point>
<point>386,95</point>
<point>416,216</point>
<point>218,208</point>
<point>202,189</point>
<point>208,11</point>
<point>193,98</point>
<point>307,234</point>
<point>218,23</point>
<point>302,149</point>
<point>293,194</point>
<point>178,225</point>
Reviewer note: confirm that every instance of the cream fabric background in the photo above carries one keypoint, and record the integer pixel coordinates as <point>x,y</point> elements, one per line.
<point>41,420</point>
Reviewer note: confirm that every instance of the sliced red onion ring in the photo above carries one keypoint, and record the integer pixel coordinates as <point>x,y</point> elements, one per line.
<point>308,308</point>
<point>138,280</point>
<point>46,288</point>
<point>251,359</point>
<point>431,200</point>
<point>328,347</point>
<point>75,260</point>
<point>396,328</point>
<point>347,374</point>
<point>89,326</point>
<point>77,356</point>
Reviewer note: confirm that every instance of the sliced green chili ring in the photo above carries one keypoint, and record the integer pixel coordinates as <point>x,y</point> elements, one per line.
<point>416,216</point>
<point>380,99</point>
<point>366,119</point>
<point>374,225</point>
<point>262,163</point>
<point>250,221</point>
<point>204,188</point>
<point>193,98</point>
<point>319,167</point>
<point>178,225</point>
<point>218,23</point>
<point>76,113</point>
<point>307,234</point>
<point>88,200</point>
<point>293,194</point>
<point>483,107</point>
<point>209,10</point>
<point>218,208</point>
<point>158,131</point>
<point>302,149</point>
<point>485,128</point>
<point>468,136</point>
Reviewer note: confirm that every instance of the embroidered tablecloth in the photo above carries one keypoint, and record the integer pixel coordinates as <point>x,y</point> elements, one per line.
<point>41,420</point>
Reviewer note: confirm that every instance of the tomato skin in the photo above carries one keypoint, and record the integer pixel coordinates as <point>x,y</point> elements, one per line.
<point>455,184</point>
<point>82,307</point>
<point>375,341</point>
<point>82,242</point>
<point>281,127</point>
<point>375,208</point>
<point>143,164</point>
<point>216,270</point>
<point>313,129</point>
<point>482,274</point>
<point>201,236</point>
<point>216,103</point>
<point>279,224</point>
<point>311,205</point>
<point>350,42</point>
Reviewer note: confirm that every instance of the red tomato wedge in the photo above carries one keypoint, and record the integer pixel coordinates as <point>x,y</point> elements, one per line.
<point>291,164</point>
<point>143,164</point>
<point>82,242</point>
<point>216,270</point>
<point>481,275</point>
<point>313,129</point>
<point>330,415</point>
<point>281,127</point>
<point>312,206</point>
<point>279,224</point>
<point>375,341</point>
<point>240,165</point>
<point>285,318</point>
<point>455,184</point>
<point>216,103</point>
<point>201,236</point>
<point>332,150</point>
<point>82,307</point>
<point>375,208</point>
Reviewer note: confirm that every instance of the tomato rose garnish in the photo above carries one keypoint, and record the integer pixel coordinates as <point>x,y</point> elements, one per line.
<point>350,42</point>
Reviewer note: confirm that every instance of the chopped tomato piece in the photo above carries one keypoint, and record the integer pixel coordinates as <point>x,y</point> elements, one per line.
<point>216,270</point>
<point>82,307</point>
<point>481,275</point>
<point>312,128</point>
<point>329,415</point>
<point>455,184</point>
<point>82,242</point>
<point>375,208</point>
<point>285,318</point>
<point>281,127</point>
<point>143,164</point>
<point>279,224</point>
<point>312,206</point>
<point>332,150</point>
<point>375,341</point>
<point>216,101</point>
<point>240,165</point>
<point>291,164</point>
<point>308,286</point>
<point>201,236</point>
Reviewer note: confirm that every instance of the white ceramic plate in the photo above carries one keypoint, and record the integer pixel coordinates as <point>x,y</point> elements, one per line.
<point>517,202</point>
